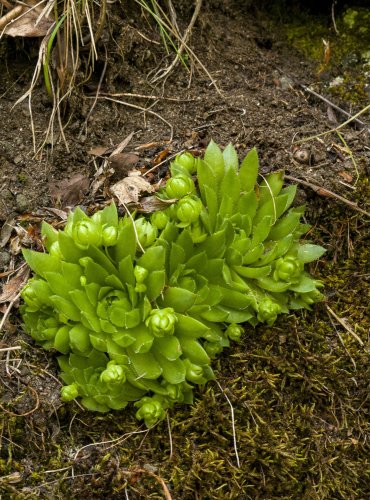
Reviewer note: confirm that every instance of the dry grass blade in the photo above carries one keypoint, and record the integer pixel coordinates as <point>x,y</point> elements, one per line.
<point>350,120</point>
<point>345,325</point>
<point>183,43</point>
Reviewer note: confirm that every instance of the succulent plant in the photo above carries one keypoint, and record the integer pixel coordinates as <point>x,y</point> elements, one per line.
<point>138,310</point>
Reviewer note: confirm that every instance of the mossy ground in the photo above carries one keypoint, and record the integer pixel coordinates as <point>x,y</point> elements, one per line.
<point>341,49</point>
<point>299,392</point>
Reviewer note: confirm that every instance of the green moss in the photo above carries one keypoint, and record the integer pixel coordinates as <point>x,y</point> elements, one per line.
<point>349,48</point>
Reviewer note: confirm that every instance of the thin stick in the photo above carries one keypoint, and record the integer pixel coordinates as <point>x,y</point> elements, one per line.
<point>336,128</point>
<point>134,227</point>
<point>345,326</point>
<point>334,106</point>
<point>333,17</point>
<point>326,192</point>
<point>14,348</point>
<point>9,308</point>
<point>110,441</point>
<point>142,109</point>
<point>232,424</point>
<point>141,96</point>
<point>170,435</point>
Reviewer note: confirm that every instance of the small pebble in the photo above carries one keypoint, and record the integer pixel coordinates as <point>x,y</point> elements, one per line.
<point>22,203</point>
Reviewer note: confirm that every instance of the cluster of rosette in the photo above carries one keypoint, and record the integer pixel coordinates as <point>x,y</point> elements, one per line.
<point>138,306</point>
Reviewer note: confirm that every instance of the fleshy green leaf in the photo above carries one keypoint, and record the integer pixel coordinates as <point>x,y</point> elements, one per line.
<point>65,307</point>
<point>306,284</point>
<point>79,338</point>
<point>144,365</point>
<point>309,253</point>
<point>214,158</point>
<point>230,158</point>
<point>253,272</point>
<point>187,326</point>
<point>168,346</point>
<point>153,259</point>
<point>249,171</point>
<point>270,187</point>
<point>126,242</point>
<point>194,351</point>
<point>172,371</point>
<point>177,298</point>
<point>61,341</point>
<point>234,299</point>
<point>155,283</point>
<point>109,215</point>
<point>285,226</point>
<point>271,285</point>
<point>41,263</point>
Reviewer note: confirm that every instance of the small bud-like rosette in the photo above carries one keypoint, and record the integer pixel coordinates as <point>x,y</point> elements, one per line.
<point>139,307</point>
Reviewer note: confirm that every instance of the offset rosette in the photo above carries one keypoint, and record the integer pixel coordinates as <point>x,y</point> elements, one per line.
<point>161,322</point>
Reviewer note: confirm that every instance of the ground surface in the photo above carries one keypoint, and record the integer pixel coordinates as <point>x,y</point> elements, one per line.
<point>299,390</point>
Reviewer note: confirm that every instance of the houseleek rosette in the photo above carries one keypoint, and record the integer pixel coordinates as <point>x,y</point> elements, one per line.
<point>139,309</point>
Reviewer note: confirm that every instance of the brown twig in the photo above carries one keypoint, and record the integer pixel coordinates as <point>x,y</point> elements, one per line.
<point>326,192</point>
<point>152,97</point>
<point>334,106</point>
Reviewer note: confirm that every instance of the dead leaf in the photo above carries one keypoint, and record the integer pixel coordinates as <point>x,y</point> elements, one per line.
<point>161,156</point>
<point>59,213</point>
<point>128,190</point>
<point>346,176</point>
<point>98,151</point>
<point>150,204</point>
<point>69,193</point>
<point>332,117</point>
<point>12,289</point>
<point>122,163</point>
<point>26,21</point>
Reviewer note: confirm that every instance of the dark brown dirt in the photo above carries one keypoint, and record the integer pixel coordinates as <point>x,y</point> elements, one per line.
<point>262,104</point>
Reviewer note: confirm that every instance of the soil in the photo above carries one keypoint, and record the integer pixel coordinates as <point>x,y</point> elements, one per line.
<point>299,390</point>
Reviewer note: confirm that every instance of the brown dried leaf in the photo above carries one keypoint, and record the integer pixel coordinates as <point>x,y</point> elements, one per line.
<point>128,190</point>
<point>332,117</point>
<point>151,204</point>
<point>12,289</point>
<point>98,150</point>
<point>69,193</point>
<point>122,163</point>
<point>29,22</point>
